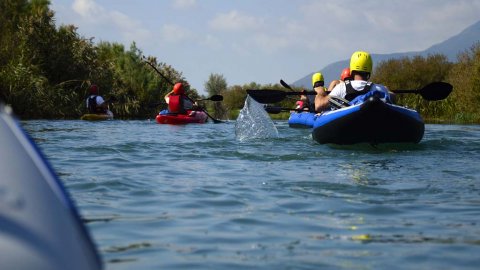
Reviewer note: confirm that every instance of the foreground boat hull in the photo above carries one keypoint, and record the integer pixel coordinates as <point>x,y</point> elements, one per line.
<point>164,117</point>
<point>371,122</point>
<point>40,226</point>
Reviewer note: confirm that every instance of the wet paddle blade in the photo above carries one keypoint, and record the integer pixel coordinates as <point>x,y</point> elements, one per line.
<point>436,91</point>
<point>274,110</point>
<point>216,98</point>
<point>266,96</point>
<point>433,91</point>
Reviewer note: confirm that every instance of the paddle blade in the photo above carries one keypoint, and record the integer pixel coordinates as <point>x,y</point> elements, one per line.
<point>284,84</point>
<point>266,96</point>
<point>273,110</point>
<point>216,98</point>
<point>436,91</point>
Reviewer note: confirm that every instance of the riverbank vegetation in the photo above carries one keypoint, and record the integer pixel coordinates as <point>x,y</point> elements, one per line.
<point>45,72</point>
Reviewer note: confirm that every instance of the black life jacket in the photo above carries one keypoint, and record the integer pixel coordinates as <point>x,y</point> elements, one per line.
<point>352,93</point>
<point>311,103</point>
<point>92,105</point>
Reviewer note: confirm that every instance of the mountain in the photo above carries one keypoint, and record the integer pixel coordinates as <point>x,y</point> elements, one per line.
<point>450,48</point>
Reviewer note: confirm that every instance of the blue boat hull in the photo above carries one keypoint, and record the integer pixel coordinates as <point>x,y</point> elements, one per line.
<point>371,122</point>
<point>301,120</point>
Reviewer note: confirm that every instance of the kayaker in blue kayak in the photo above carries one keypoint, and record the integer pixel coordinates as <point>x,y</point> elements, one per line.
<point>307,102</point>
<point>95,103</point>
<point>360,70</point>
<point>178,102</point>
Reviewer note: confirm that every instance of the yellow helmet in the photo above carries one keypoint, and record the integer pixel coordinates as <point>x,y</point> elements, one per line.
<point>317,77</point>
<point>361,61</point>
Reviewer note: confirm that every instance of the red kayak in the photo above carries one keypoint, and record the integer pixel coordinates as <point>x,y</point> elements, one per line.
<point>164,117</point>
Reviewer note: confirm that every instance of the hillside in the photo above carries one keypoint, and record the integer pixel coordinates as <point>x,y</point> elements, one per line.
<point>450,47</point>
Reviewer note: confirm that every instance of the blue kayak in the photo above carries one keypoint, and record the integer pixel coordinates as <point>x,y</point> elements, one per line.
<point>372,121</point>
<point>301,119</point>
<point>40,225</point>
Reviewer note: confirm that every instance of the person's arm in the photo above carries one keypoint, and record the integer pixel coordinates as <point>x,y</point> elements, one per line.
<point>167,96</point>
<point>333,84</point>
<point>321,101</point>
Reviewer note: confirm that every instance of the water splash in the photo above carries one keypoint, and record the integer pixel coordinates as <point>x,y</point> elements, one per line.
<point>253,122</point>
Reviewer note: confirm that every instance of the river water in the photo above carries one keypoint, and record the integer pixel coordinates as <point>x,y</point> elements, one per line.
<point>198,197</point>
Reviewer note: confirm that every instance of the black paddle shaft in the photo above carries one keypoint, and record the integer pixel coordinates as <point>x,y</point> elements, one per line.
<point>432,91</point>
<point>273,96</point>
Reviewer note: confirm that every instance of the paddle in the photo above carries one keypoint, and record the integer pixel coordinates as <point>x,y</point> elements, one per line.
<point>273,96</point>
<point>216,121</point>
<point>155,68</point>
<point>277,110</point>
<point>286,85</point>
<point>432,91</point>
<point>212,98</point>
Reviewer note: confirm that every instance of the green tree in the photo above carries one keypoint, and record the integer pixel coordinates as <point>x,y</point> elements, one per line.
<point>465,77</point>
<point>217,85</point>
<point>415,73</point>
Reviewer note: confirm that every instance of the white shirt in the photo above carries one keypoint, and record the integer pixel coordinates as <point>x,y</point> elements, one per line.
<point>340,90</point>
<point>99,100</point>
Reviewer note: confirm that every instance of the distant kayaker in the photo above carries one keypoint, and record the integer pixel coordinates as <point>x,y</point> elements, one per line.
<point>345,75</point>
<point>360,70</point>
<point>178,101</point>
<point>95,103</point>
<point>301,104</point>
<point>308,101</point>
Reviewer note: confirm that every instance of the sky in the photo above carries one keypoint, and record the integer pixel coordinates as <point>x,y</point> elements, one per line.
<point>264,41</point>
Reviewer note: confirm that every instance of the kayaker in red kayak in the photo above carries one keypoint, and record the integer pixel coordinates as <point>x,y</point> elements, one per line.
<point>95,103</point>
<point>360,70</point>
<point>178,102</point>
<point>345,75</point>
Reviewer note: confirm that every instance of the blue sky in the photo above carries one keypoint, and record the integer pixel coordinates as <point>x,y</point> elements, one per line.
<point>264,41</point>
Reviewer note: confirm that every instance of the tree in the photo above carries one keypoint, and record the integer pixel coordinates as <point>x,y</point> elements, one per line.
<point>415,73</point>
<point>217,85</point>
<point>465,77</point>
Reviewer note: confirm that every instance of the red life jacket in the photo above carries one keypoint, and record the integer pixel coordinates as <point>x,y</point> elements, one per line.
<point>175,104</point>
<point>300,105</point>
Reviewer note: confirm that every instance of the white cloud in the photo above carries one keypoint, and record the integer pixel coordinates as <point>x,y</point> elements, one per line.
<point>211,42</point>
<point>128,28</point>
<point>175,33</point>
<point>271,43</point>
<point>234,21</point>
<point>184,4</point>
<point>131,30</point>
<point>87,8</point>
